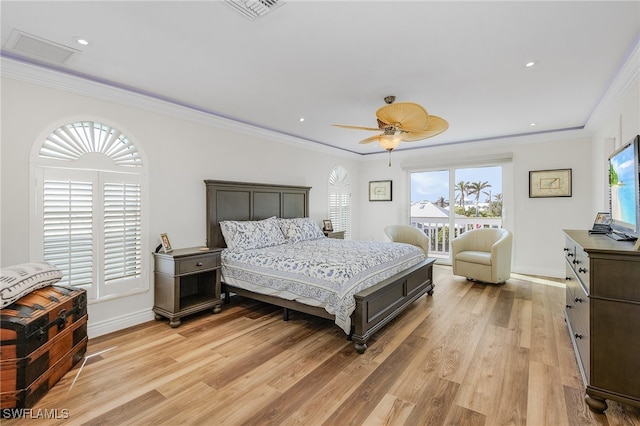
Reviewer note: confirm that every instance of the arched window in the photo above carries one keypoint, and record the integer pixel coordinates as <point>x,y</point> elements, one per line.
<point>340,200</point>
<point>88,219</point>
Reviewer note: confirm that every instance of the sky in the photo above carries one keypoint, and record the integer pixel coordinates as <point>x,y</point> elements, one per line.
<point>430,186</point>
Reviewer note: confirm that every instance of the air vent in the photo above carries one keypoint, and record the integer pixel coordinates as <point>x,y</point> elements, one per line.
<point>254,9</point>
<point>38,47</point>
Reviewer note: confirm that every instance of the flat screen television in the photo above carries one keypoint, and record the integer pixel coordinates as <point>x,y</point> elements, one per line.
<point>624,191</point>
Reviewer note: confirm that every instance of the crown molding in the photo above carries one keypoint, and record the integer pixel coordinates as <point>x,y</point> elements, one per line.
<point>45,75</point>
<point>628,74</point>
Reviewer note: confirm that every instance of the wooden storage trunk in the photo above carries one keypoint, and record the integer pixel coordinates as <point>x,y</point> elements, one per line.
<point>43,335</point>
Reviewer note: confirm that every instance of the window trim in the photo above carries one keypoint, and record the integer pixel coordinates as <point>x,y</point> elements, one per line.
<point>94,162</point>
<point>341,190</point>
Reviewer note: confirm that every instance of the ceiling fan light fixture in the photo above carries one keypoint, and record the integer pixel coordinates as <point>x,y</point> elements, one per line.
<point>390,142</point>
<point>402,122</point>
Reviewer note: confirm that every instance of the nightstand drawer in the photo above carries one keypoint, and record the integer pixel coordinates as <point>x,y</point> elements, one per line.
<point>197,263</point>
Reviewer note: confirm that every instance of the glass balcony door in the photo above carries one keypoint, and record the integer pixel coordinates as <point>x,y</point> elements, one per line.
<point>448,202</point>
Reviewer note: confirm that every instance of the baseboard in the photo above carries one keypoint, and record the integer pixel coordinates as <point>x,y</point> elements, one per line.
<point>118,323</point>
<point>541,272</point>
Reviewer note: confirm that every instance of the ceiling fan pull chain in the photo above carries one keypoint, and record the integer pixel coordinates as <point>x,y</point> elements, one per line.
<point>389,158</point>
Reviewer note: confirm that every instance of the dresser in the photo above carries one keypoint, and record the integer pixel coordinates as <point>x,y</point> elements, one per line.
<point>603,316</point>
<point>186,281</point>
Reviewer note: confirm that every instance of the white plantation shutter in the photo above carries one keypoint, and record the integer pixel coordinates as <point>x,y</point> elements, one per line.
<point>122,230</point>
<point>68,229</point>
<point>340,200</point>
<point>90,208</point>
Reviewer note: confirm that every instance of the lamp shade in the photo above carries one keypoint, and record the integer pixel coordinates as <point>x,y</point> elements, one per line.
<point>389,142</point>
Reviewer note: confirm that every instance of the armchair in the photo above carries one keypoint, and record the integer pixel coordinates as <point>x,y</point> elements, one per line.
<point>483,255</point>
<point>408,234</point>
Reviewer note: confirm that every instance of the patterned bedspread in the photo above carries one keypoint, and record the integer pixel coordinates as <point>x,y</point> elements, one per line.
<point>322,272</point>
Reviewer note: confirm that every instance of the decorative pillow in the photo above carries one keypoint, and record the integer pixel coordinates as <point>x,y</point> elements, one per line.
<point>300,229</point>
<point>251,234</point>
<point>19,280</point>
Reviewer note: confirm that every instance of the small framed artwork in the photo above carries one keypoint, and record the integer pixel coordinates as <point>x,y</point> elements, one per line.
<point>327,225</point>
<point>550,183</point>
<point>166,245</point>
<point>380,190</point>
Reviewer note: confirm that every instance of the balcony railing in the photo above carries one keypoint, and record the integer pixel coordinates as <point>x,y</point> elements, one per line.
<point>437,229</point>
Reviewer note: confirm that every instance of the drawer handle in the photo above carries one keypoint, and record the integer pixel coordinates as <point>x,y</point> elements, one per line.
<point>567,306</point>
<point>576,261</point>
<point>567,278</point>
<point>583,270</point>
<point>199,264</point>
<point>566,249</point>
<point>570,254</point>
<point>578,335</point>
<point>578,300</point>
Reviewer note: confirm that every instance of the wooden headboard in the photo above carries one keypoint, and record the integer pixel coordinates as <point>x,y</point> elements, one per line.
<point>251,201</point>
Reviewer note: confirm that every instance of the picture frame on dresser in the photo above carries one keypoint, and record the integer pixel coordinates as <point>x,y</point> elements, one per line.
<point>327,225</point>
<point>166,244</point>
<point>550,183</point>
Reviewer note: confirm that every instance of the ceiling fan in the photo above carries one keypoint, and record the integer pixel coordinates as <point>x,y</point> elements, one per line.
<point>402,122</point>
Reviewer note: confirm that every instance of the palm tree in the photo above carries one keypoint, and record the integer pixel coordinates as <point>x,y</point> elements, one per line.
<point>442,202</point>
<point>476,188</point>
<point>462,187</point>
<point>498,203</point>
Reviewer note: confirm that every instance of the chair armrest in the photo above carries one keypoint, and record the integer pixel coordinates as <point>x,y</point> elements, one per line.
<point>501,252</point>
<point>461,243</point>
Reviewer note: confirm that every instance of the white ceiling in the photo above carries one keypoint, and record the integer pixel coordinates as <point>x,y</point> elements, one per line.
<point>334,62</point>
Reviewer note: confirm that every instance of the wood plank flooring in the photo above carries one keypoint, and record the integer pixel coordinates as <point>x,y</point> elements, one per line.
<point>471,354</point>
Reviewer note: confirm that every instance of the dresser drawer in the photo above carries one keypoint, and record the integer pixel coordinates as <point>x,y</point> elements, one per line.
<point>578,307</point>
<point>197,263</point>
<point>570,251</point>
<point>581,266</point>
<point>582,344</point>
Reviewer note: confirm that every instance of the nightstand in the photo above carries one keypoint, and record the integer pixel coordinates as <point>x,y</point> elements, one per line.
<point>186,281</point>
<point>339,235</point>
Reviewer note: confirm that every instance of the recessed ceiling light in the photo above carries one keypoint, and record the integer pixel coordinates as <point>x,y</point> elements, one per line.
<point>81,40</point>
<point>301,119</point>
<point>532,124</point>
<point>531,63</point>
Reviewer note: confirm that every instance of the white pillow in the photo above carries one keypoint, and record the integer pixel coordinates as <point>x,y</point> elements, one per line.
<point>243,235</point>
<point>20,280</point>
<point>300,229</point>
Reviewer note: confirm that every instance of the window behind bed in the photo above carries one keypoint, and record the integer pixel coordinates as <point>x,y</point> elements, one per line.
<point>340,200</point>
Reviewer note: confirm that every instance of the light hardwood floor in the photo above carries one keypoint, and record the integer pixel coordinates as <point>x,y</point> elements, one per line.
<point>471,354</point>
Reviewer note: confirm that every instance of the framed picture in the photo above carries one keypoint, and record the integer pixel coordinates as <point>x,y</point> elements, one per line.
<point>327,225</point>
<point>550,183</point>
<point>166,245</point>
<point>380,190</point>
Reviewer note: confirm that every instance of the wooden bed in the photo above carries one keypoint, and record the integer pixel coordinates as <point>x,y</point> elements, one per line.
<point>375,306</point>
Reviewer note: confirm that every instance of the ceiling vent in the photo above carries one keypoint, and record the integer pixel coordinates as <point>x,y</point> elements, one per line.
<point>38,47</point>
<point>254,9</point>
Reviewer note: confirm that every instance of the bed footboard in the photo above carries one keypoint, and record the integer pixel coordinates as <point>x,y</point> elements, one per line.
<point>379,304</point>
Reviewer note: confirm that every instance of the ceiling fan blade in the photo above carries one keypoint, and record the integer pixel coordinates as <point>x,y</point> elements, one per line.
<point>410,116</point>
<point>436,126</point>
<point>370,139</point>
<point>355,127</point>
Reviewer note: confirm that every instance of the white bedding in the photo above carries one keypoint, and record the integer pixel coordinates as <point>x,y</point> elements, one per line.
<point>322,272</point>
